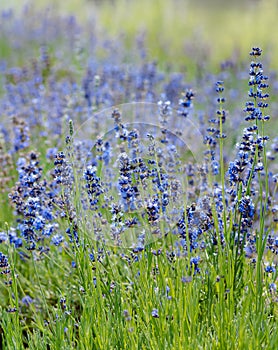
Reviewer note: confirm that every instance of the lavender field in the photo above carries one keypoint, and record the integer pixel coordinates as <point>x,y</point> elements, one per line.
<point>138,175</point>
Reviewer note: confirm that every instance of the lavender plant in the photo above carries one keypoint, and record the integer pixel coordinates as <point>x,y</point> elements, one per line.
<point>121,232</point>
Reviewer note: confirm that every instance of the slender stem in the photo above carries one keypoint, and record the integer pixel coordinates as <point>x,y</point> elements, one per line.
<point>222,169</point>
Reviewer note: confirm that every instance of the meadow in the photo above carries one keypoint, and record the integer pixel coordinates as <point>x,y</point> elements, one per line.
<point>138,175</point>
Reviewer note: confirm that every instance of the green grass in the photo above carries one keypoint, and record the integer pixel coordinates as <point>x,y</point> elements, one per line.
<point>206,313</point>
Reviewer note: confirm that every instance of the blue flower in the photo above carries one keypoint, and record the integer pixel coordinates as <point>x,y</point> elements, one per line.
<point>57,239</point>
<point>155,313</point>
<point>27,300</point>
<point>270,269</point>
<point>246,207</point>
<point>4,262</point>
<point>272,287</point>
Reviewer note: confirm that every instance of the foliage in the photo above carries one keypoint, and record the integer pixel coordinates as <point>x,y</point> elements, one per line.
<point>138,204</point>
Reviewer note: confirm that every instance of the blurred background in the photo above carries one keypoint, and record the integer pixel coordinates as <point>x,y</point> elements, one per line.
<point>174,31</point>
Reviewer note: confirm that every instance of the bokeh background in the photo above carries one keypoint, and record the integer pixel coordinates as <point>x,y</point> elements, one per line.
<point>180,32</point>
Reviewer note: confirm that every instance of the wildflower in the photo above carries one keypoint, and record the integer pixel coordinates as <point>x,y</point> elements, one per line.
<point>3,237</point>
<point>194,262</point>
<point>256,51</point>
<point>93,186</point>
<point>11,309</point>
<point>120,128</point>
<point>246,207</point>
<point>194,223</point>
<point>165,112</point>
<point>272,287</point>
<point>63,185</point>
<point>127,315</point>
<point>51,153</point>
<point>72,233</point>
<point>152,209</point>
<point>117,224</point>
<point>270,269</point>
<point>27,300</point>
<point>186,102</point>
<point>57,239</point>
<point>103,150</point>
<point>33,202</point>
<point>167,293</point>
<point>63,302</point>
<point>21,134</point>
<point>4,262</point>
<point>155,313</point>
<point>187,279</point>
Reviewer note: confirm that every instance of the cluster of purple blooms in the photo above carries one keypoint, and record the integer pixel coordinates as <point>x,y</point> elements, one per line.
<point>133,186</point>
<point>33,203</point>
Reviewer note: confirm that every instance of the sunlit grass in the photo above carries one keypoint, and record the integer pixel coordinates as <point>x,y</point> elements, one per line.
<point>216,30</point>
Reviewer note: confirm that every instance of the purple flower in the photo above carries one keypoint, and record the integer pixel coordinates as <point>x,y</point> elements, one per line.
<point>155,313</point>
